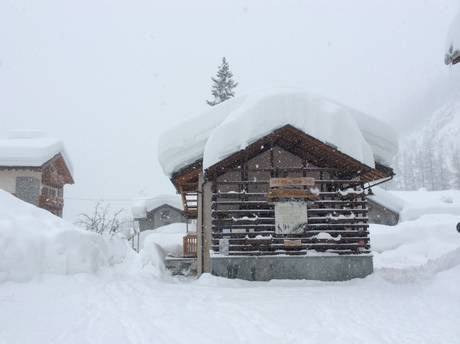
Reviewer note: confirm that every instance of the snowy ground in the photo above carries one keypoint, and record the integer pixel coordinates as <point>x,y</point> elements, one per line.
<point>413,297</point>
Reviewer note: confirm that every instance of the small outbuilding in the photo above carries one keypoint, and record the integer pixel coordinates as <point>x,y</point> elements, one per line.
<point>278,183</point>
<point>158,211</point>
<point>35,168</point>
<point>384,208</point>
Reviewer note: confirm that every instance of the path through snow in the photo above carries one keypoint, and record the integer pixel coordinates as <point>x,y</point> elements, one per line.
<point>137,308</point>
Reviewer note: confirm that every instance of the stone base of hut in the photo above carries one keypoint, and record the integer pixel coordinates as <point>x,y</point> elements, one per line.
<point>265,268</point>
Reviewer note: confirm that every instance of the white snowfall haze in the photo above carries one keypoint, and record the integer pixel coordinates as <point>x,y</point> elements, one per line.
<point>234,124</point>
<point>58,285</point>
<point>123,85</point>
<point>430,156</point>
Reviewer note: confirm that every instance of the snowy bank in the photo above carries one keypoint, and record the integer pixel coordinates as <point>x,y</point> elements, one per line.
<point>414,243</point>
<point>34,242</point>
<point>236,123</point>
<point>168,237</point>
<point>393,305</point>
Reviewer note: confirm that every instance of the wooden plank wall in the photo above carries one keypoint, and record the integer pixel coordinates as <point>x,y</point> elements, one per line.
<point>243,217</point>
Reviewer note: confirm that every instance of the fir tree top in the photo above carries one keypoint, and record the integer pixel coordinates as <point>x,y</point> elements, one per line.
<point>223,84</point>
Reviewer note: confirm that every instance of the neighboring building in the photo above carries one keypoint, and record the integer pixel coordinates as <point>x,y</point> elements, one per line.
<point>35,169</point>
<point>384,208</point>
<point>159,211</point>
<point>279,184</point>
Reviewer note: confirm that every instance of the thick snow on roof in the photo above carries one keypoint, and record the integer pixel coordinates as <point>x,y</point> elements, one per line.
<point>387,199</point>
<point>453,40</point>
<point>238,122</point>
<point>141,208</point>
<point>423,202</point>
<point>30,148</point>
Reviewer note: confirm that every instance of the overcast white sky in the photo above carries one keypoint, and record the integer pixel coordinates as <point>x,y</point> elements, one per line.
<point>108,76</point>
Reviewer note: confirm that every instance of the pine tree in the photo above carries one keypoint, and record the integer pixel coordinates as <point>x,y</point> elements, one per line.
<point>223,84</point>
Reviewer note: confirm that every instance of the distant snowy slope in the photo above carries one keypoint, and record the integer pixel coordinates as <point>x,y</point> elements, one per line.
<point>430,156</point>
<point>33,242</point>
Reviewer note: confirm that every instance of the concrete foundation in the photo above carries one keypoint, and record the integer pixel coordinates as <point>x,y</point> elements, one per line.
<point>264,268</point>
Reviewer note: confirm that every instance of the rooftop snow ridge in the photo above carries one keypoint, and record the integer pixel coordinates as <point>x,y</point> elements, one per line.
<point>28,148</point>
<point>231,126</point>
<point>142,207</point>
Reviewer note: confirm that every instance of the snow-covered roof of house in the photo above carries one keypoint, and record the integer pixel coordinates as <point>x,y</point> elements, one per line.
<point>387,199</point>
<point>142,207</point>
<point>423,202</point>
<point>30,149</point>
<point>236,123</point>
<point>452,53</point>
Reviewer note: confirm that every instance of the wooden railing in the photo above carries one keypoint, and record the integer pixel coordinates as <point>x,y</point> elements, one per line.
<point>190,245</point>
<point>51,202</point>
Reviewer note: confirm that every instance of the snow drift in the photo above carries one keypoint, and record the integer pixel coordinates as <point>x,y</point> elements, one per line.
<point>234,124</point>
<point>414,243</point>
<point>33,242</point>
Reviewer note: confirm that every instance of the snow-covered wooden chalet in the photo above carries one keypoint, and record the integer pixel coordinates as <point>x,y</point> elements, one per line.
<point>278,184</point>
<point>35,168</point>
<point>158,211</point>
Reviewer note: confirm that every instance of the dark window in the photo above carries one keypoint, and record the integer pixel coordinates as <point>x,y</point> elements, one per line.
<point>28,189</point>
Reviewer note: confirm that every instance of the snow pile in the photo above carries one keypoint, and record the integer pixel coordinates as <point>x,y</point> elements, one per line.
<point>33,242</point>
<point>30,148</point>
<point>141,208</point>
<point>236,123</point>
<point>168,237</point>
<point>153,256</point>
<point>414,243</point>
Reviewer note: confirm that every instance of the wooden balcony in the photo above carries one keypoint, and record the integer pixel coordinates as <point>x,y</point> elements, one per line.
<point>190,245</point>
<point>52,204</point>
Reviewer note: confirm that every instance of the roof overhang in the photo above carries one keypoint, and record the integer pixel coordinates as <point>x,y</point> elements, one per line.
<point>294,141</point>
<point>306,146</point>
<point>60,163</point>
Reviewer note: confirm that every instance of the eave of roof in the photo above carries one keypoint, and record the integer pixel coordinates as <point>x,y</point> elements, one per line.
<point>349,164</point>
